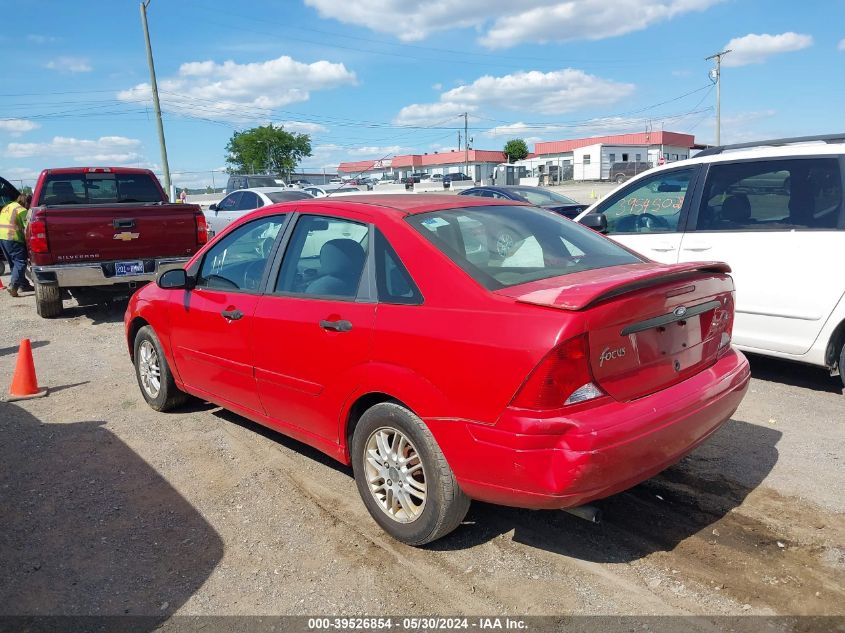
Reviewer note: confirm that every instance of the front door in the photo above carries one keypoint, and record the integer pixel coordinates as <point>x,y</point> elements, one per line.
<point>780,225</point>
<point>648,215</point>
<point>210,327</point>
<point>313,329</point>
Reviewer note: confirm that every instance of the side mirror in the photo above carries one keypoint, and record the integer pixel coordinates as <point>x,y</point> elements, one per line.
<point>213,207</point>
<point>595,221</point>
<point>175,279</point>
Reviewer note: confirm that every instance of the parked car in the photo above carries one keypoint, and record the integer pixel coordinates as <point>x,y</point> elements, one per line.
<point>241,202</point>
<point>773,210</point>
<point>549,200</point>
<point>620,172</point>
<point>96,232</point>
<point>437,177</point>
<point>561,370</point>
<point>251,181</point>
<point>300,182</point>
<point>456,177</point>
<point>414,177</point>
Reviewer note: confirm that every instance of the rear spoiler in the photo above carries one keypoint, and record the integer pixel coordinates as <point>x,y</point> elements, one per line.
<point>590,287</point>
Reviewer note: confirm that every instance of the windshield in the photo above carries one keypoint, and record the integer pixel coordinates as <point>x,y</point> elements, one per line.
<point>541,197</point>
<point>501,246</point>
<point>99,188</point>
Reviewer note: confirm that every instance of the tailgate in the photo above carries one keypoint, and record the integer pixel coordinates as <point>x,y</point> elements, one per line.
<point>649,326</point>
<point>121,232</point>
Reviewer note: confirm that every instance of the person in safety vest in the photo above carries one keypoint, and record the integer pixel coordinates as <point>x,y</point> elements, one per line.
<point>12,242</point>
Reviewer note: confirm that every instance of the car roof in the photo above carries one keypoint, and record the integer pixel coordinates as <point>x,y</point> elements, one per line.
<point>114,170</point>
<point>405,204</point>
<point>265,189</point>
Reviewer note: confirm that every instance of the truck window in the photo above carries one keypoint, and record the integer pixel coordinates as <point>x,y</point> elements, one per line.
<point>98,188</point>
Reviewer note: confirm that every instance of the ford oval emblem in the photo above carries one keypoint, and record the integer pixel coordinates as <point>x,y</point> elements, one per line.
<point>680,311</point>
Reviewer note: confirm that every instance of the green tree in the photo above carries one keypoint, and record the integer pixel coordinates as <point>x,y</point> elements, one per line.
<point>515,149</point>
<point>267,149</point>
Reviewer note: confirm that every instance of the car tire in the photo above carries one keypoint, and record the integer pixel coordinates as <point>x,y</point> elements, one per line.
<point>2,267</point>
<point>842,365</point>
<point>620,178</point>
<point>149,361</point>
<point>419,466</point>
<point>48,300</point>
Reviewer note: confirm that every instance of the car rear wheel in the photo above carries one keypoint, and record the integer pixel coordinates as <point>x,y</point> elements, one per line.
<point>153,373</point>
<point>48,300</point>
<point>620,178</point>
<point>403,477</point>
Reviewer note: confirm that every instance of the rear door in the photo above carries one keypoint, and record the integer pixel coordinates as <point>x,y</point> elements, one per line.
<point>8,193</point>
<point>780,225</point>
<point>211,324</point>
<point>649,215</point>
<point>313,329</point>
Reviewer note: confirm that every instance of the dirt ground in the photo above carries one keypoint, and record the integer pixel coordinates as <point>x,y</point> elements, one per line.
<point>107,507</point>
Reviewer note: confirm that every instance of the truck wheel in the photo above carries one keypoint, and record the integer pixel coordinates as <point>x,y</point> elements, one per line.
<point>153,373</point>
<point>48,300</point>
<point>403,477</point>
<point>842,364</point>
<point>620,178</point>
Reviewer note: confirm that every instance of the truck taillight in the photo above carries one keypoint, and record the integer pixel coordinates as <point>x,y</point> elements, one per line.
<point>562,378</point>
<point>202,229</point>
<point>38,237</point>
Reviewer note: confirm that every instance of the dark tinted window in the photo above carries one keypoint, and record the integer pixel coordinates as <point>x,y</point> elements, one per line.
<point>284,196</point>
<point>772,195</point>
<point>99,188</point>
<point>7,192</point>
<point>238,260</point>
<point>506,246</point>
<point>393,280</point>
<point>249,201</point>
<point>325,257</point>
<point>263,181</point>
<point>231,202</point>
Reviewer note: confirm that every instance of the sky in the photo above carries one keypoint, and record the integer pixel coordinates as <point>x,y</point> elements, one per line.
<point>374,78</point>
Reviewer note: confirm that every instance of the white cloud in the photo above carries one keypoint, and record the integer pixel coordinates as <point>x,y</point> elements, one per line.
<point>590,127</point>
<point>553,92</point>
<point>376,151</point>
<point>437,86</point>
<point>302,127</point>
<point>739,127</point>
<point>755,49</point>
<point>242,92</point>
<point>70,65</point>
<point>515,22</point>
<point>41,39</point>
<point>106,149</point>
<point>16,127</point>
<point>841,46</point>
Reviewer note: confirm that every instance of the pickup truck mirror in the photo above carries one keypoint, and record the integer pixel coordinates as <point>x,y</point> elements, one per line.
<point>595,221</point>
<point>175,279</point>
<point>213,207</point>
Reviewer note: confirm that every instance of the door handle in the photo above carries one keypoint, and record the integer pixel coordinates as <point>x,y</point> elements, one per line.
<point>232,315</point>
<point>337,326</point>
<point>123,223</point>
<point>663,247</point>
<point>698,246</point>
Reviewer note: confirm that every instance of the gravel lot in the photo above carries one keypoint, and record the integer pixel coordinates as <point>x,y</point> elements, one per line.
<point>107,507</point>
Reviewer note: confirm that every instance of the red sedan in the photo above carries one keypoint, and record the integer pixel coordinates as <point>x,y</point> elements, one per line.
<point>448,349</point>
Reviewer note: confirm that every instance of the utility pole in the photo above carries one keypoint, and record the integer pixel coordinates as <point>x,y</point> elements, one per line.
<point>459,140</point>
<point>716,76</point>
<point>164,166</point>
<point>466,143</point>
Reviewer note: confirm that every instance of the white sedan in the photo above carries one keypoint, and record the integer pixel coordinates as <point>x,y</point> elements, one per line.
<point>242,201</point>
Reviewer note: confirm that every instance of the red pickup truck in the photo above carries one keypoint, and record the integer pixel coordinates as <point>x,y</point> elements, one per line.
<point>95,232</point>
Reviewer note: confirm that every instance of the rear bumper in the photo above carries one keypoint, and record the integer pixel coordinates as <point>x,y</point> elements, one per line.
<point>102,273</point>
<point>560,462</point>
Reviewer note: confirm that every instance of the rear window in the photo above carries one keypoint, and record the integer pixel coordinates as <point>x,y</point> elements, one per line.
<point>501,246</point>
<point>264,181</point>
<point>285,196</point>
<point>98,188</point>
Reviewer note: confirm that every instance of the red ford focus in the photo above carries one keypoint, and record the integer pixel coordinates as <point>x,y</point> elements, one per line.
<point>448,349</point>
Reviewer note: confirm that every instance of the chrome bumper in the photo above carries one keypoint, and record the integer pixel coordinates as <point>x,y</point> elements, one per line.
<point>102,273</point>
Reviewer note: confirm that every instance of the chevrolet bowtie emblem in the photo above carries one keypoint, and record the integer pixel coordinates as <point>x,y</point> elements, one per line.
<point>126,236</point>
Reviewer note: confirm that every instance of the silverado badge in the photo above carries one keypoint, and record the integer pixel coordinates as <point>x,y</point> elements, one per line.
<point>126,236</point>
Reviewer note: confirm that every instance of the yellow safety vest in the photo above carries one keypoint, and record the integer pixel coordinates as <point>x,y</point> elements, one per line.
<point>13,222</point>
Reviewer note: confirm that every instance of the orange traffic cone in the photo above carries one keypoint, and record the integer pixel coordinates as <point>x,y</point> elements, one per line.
<point>2,287</point>
<point>24,383</point>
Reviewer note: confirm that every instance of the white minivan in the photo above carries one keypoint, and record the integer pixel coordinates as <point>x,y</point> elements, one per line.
<point>774,212</point>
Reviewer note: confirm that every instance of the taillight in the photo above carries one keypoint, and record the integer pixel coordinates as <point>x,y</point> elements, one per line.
<point>724,318</point>
<point>202,229</point>
<point>562,378</point>
<point>38,236</point>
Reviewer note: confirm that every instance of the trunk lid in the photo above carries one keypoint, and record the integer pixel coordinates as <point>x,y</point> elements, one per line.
<point>118,232</point>
<point>649,326</point>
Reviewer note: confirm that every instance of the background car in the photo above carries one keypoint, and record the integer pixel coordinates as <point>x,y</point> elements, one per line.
<point>242,201</point>
<point>773,210</point>
<point>456,177</point>
<point>252,181</point>
<point>537,196</point>
<point>622,171</point>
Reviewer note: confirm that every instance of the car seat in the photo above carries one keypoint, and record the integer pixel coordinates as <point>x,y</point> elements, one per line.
<point>341,264</point>
<point>62,193</point>
<point>736,209</point>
